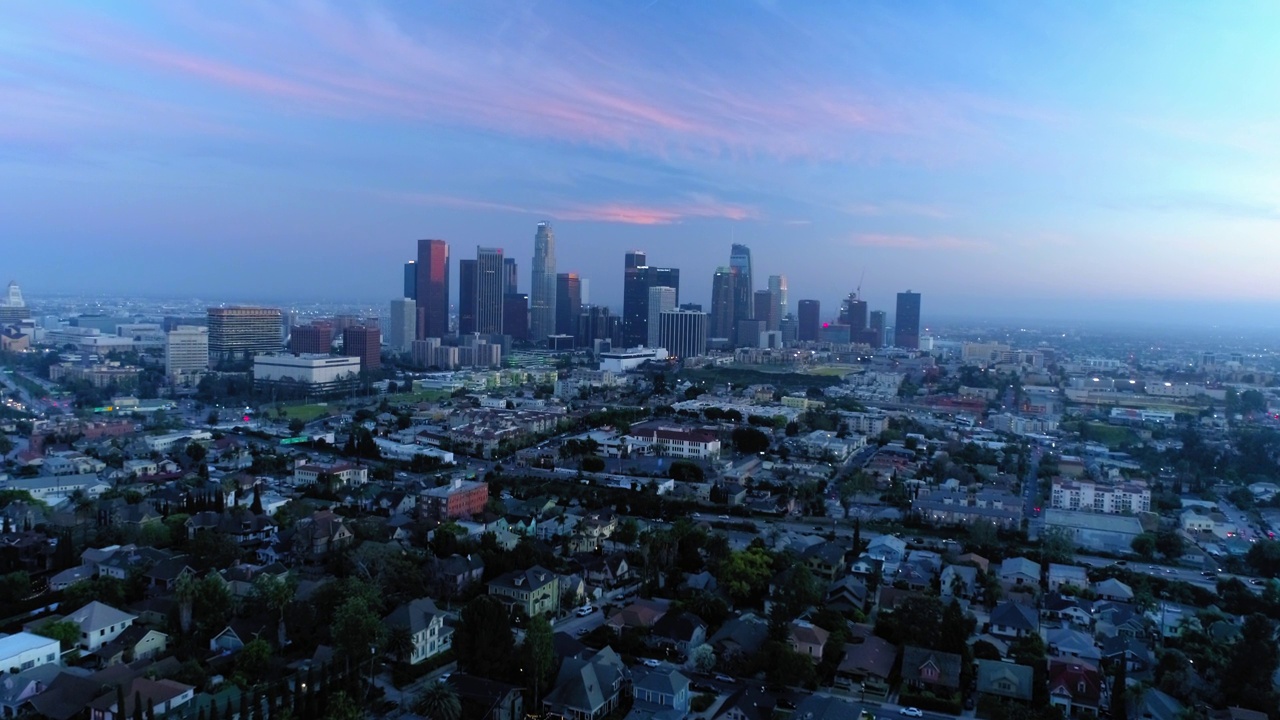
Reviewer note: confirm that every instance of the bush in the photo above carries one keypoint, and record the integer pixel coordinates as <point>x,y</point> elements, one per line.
<point>926,700</point>
<point>700,703</point>
<point>592,463</point>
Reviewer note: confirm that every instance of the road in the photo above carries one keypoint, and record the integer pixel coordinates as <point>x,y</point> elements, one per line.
<point>1030,489</point>
<point>1170,572</point>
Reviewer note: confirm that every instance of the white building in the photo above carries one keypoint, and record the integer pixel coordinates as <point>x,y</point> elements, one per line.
<point>24,650</point>
<point>165,443</point>
<point>340,475</point>
<point>319,375</point>
<point>404,324</point>
<point>99,624</point>
<point>674,441</point>
<point>55,489</point>
<point>865,423</point>
<point>1128,498</point>
<point>186,352</point>
<point>661,299</point>
<point>624,360</point>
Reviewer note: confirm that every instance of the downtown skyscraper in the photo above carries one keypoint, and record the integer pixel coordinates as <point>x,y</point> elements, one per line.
<point>638,278</point>
<point>431,289</point>
<point>723,291</point>
<point>481,289</point>
<point>743,291</point>
<point>906,321</point>
<point>542,291</point>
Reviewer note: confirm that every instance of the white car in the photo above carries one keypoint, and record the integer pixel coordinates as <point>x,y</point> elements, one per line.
<point>585,611</point>
<point>911,712</point>
<point>650,662</point>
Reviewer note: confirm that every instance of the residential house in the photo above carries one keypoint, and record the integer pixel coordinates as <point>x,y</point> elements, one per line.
<point>604,571</point>
<point>484,699</point>
<point>748,702</point>
<point>1014,620</point>
<point>681,630</point>
<point>321,533</point>
<point>659,693</point>
<point>1134,652</point>
<point>164,575</point>
<point>588,688</point>
<point>889,550</point>
<point>1113,589</point>
<point>1119,619</point>
<point>807,639</point>
<point>639,615</point>
<point>959,581</point>
<point>1005,680</point>
<point>1019,574</point>
<point>237,523</point>
<point>1068,643</point>
<point>867,569</point>
<point>138,642</point>
<point>867,666</point>
<point>743,635</point>
<point>1069,610</point>
<point>975,560</point>
<point>163,695</point>
<point>1067,575</point>
<point>25,650</point>
<point>932,670</point>
<point>66,697</point>
<point>1152,704</point>
<point>99,624</point>
<point>18,689</point>
<point>825,707</point>
<point>846,595</point>
<point>534,591</point>
<point>459,571</point>
<point>826,560</point>
<point>243,631</point>
<point>426,627</point>
<point>1075,686</point>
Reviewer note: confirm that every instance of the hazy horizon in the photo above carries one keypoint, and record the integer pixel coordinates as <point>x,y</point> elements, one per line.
<point>1055,162</point>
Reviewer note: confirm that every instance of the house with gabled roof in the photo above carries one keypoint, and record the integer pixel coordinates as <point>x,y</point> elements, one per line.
<point>1067,575</point>
<point>1068,643</point>
<point>660,694</point>
<point>1005,680</point>
<point>807,639</point>
<point>534,591</point>
<point>426,626</point>
<point>1075,686</point>
<point>682,630</point>
<point>932,670</point>
<point>1014,620</point>
<point>867,665</point>
<point>99,624</point>
<point>1113,589</point>
<point>1019,574</point>
<point>960,581</point>
<point>588,688</point>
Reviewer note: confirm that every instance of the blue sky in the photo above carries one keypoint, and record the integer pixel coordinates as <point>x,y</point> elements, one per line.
<point>1019,158</point>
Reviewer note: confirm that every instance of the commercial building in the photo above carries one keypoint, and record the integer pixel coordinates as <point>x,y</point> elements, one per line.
<point>316,338</point>
<point>568,303</point>
<point>1096,531</point>
<point>778,286</point>
<point>766,310</point>
<point>431,289</point>
<point>723,289</point>
<point>186,352</point>
<point>683,333</point>
<point>404,324</point>
<point>515,315</point>
<point>743,299</point>
<point>675,441</point>
<point>879,323</point>
<point>363,342</point>
<point>623,360</point>
<point>242,332</point>
<point>810,320</point>
<point>510,276</point>
<point>906,321</point>
<point>661,299</point>
<point>638,278</point>
<point>542,291</point>
<point>306,375</point>
<point>490,287</point>
<point>411,280</point>
<point>459,499</point>
<point>12,307</point>
<point>1123,498</point>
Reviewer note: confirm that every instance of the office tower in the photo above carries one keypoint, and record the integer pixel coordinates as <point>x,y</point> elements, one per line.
<point>312,339</point>
<point>404,324</point>
<point>878,323</point>
<point>906,321</point>
<point>510,277</point>
<point>542,293</point>
<point>432,289</point>
<point>242,332</point>
<point>12,307</point>
<point>790,329</point>
<point>364,342</point>
<point>634,259</point>
<point>467,297</point>
<point>638,278</point>
<point>515,315</point>
<point>766,309</point>
<point>585,284</point>
<point>778,285</point>
<point>743,300</point>
<point>186,351</point>
<point>490,284</point>
<point>593,324</point>
<point>809,319</point>
<point>722,295</point>
<point>661,299</point>
<point>683,333</point>
<point>568,303</point>
<point>853,312</point>
<point>411,282</point>
<point>748,332</point>
<point>835,333</point>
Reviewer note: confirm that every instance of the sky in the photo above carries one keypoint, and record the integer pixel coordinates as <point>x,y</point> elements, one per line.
<point>1058,159</point>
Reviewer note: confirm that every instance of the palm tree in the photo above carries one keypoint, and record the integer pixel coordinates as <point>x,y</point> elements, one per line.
<point>438,702</point>
<point>185,591</point>
<point>399,643</point>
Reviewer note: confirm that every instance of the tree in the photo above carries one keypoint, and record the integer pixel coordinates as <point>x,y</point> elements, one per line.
<point>627,532</point>
<point>745,575</point>
<point>750,440</point>
<point>1264,557</point>
<point>184,593</point>
<point>275,593</point>
<point>685,471</point>
<point>592,463</point>
<point>797,592</point>
<point>438,702</point>
<point>538,656</point>
<point>254,659</point>
<point>399,643</point>
<point>356,628</point>
<point>1144,545</point>
<point>1169,544</point>
<point>297,425</point>
<point>702,658</point>
<point>213,418</point>
<point>64,631</point>
<point>483,640</point>
<point>342,707</point>
<point>1056,545</point>
<point>1253,660</point>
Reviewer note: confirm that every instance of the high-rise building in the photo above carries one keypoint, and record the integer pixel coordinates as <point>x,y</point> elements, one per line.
<point>510,277</point>
<point>778,286</point>
<point>853,312</point>
<point>682,333</point>
<point>186,351</point>
<point>810,318</point>
<point>661,299</point>
<point>431,288</point>
<point>12,307</point>
<point>365,343</point>
<point>594,323</point>
<point>637,279</point>
<point>723,287</point>
<point>878,324</point>
<point>404,324</point>
<point>312,339</point>
<point>467,296</point>
<point>766,308</point>
<point>906,321</point>
<point>515,315</point>
<point>542,292</point>
<point>568,303</point>
<point>789,329</point>
<point>490,284</point>
<point>242,332</point>
<point>743,298</point>
<point>411,282</point>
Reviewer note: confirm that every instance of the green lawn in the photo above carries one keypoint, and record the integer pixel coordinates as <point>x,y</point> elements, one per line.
<point>1110,435</point>
<point>306,413</point>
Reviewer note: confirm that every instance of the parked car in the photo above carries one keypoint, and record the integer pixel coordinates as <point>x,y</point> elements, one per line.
<point>724,678</point>
<point>911,712</point>
<point>650,662</point>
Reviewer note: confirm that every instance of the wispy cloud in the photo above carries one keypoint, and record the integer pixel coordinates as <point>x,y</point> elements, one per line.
<point>920,242</point>
<point>897,208</point>
<point>609,212</point>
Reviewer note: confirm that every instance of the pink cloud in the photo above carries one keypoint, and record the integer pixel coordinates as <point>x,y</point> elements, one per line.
<point>609,212</point>
<point>917,242</point>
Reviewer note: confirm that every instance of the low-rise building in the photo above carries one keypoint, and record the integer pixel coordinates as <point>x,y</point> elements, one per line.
<point>667,440</point>
<point>534,591</point>
<point>24,650</point>
<point>459,499</point>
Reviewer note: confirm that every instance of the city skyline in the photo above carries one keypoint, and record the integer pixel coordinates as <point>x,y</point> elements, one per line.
<point>901,141</point>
